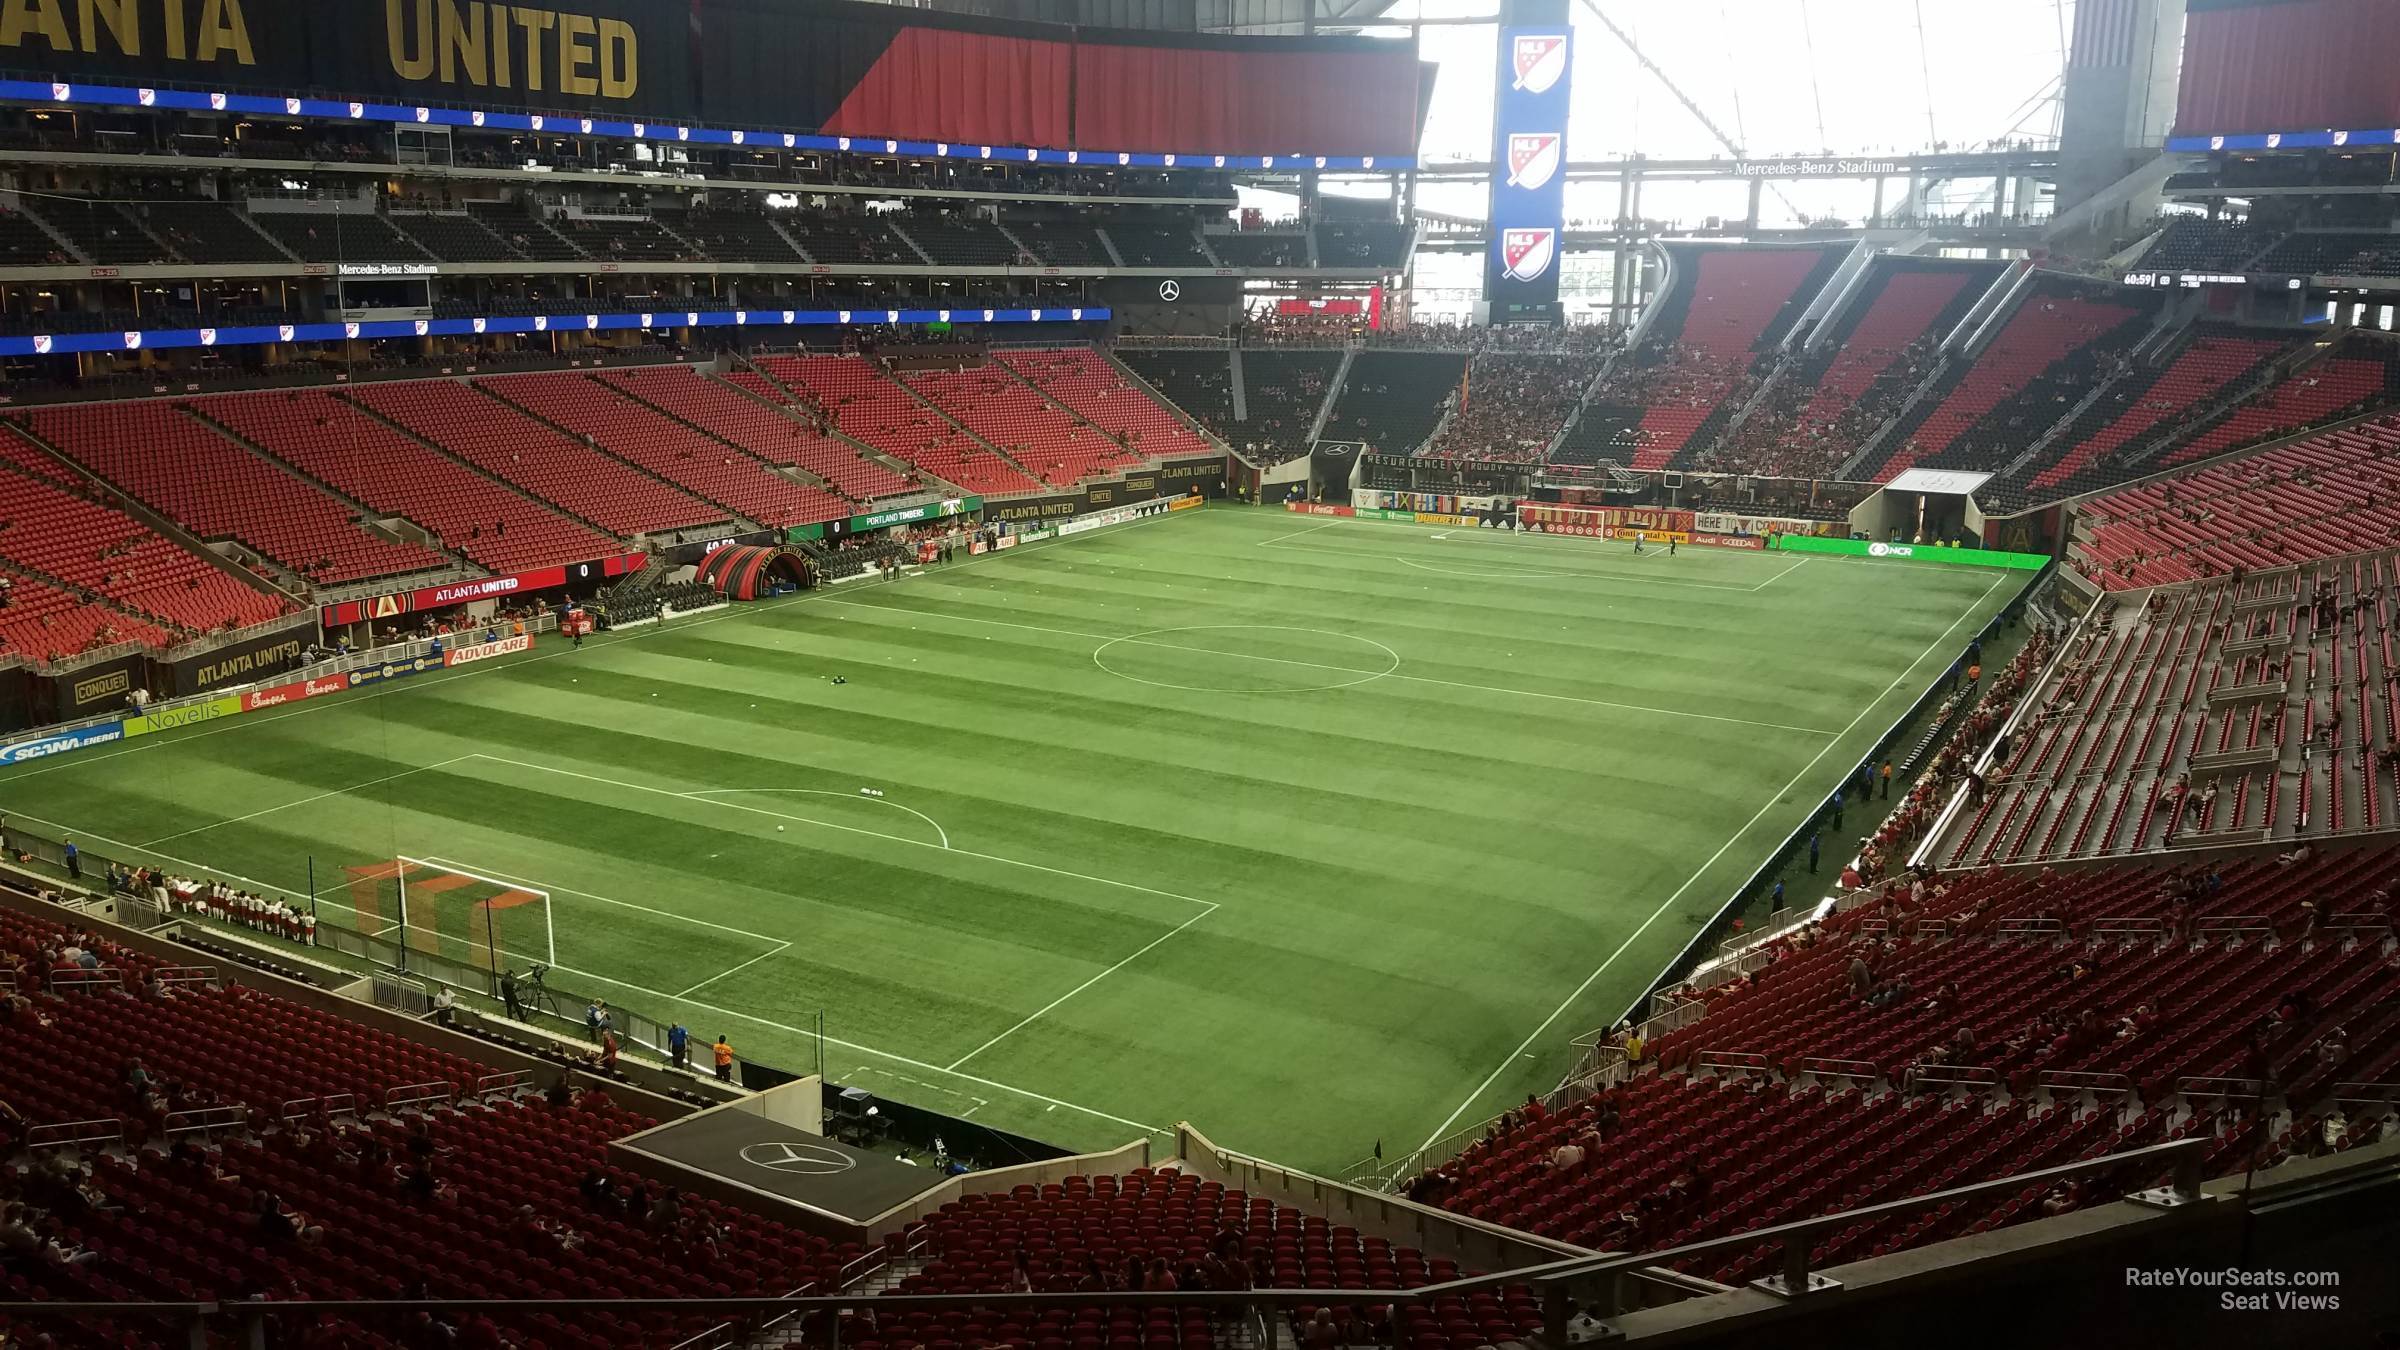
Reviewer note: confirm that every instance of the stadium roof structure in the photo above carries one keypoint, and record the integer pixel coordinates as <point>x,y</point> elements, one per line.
<point>1186,16</point>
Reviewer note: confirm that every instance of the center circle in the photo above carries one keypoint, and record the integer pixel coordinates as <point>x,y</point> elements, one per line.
<point>1288,661</point>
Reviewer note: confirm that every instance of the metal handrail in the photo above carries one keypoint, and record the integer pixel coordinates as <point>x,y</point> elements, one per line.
<point>1551,1280</point>
<point>409,1094</point>
<point>58,1132</point>
<point>206,1118</point>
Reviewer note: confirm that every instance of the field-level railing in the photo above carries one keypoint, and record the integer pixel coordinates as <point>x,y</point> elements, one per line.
<point>409,649</point>
<point>1590,1282</point>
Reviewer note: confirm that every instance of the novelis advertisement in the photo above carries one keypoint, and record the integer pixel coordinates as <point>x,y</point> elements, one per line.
<point>184,715</point>
<point>1529,166</point>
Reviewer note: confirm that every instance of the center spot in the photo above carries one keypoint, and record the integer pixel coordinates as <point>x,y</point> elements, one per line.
<point>1246,659</point>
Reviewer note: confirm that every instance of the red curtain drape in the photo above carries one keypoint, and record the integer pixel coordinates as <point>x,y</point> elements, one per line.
<point>2309,64</point>
<point>1198,100</point>
<point>937,84</point>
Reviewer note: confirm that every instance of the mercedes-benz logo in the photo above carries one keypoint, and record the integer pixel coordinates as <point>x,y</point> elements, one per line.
<point>808,1160</point>
<point>1170,289</point>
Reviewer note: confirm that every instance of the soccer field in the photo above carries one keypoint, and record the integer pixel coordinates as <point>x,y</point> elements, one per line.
<point>1310,832</point>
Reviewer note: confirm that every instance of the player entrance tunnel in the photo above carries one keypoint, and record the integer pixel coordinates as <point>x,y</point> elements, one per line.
<point>755,571</point>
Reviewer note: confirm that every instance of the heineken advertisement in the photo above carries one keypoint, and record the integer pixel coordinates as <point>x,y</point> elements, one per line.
<point>1933,553</point>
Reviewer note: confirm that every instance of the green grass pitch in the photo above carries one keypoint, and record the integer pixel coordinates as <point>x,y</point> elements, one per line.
<point>1311,832</point>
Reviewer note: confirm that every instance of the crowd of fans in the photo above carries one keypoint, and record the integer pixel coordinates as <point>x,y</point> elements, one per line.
<point>1511,407</point>
<point>1668,374</point>
<point>1284,399</point>
<point>1953,765</point>
<point>1800,428</point>
<point>1315,329</point>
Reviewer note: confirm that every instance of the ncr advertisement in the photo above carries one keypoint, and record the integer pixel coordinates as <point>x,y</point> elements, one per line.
<point>1529,164</point>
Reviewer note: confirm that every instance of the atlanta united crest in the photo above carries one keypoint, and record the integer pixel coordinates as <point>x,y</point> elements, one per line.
<point>1540,59</point>
<point>1533,158</point>
<point>1526,254</point>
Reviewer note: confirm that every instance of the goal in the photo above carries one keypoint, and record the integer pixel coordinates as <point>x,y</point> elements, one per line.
<point>442,909</point>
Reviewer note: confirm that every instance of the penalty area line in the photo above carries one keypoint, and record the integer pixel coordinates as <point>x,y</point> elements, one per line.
<point>734,970</point>
<point>851,829</point>
<point>1045,1009</point>
<point>885,1055</point>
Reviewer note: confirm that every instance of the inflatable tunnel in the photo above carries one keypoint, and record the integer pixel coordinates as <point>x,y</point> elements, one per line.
<point>752,571</point>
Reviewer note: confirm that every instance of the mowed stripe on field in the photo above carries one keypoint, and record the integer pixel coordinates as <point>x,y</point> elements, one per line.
<point>1410,873</point>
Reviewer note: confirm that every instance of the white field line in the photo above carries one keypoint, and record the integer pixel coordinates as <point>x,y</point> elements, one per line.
<point>603,641</point>
<point>782,945</point>
<point>504,879</point>
<point>854,829</point>
<point>268,811</point>
<point>1591,573</point>
<point>802,1032</point>
<point>1506,539</point>
<point>705,793</point>
<point>916,1064</point>
<point>203,869</point>
<point>1320,525</point>
<point>1207,907</point>
<point>1796,566</point>
<point>1602,968</point>
<point>1045,1008</point>
<point>1519,575</point>
<point>778,951</point>
<point>1315,665</point>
